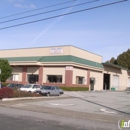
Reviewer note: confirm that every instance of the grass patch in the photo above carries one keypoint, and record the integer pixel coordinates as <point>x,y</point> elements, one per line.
<point>65,88</point>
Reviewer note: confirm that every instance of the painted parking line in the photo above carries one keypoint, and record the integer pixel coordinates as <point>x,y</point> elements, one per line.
<point>56,104</point>
<point>104,110</point>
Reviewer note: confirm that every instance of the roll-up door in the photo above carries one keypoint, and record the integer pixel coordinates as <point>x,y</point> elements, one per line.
<point>116,82</point>
<point>128,82</point>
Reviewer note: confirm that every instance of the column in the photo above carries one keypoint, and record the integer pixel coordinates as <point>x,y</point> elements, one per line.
<point>41,75</point>
<point>68,75</point>
<point>24,75</point>
<point>88,78</point>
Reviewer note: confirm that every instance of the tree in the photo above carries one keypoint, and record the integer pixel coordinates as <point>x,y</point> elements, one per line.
<point>113,61</point>
<point>124,59</point>
<point>6,70</point>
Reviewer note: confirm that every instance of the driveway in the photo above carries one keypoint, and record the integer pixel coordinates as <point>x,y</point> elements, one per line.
<point>99,106</point>
<point>109,103</point>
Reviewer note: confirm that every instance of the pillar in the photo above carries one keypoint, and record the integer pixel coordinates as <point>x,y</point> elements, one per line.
<point>41,75</point>
<point>24,75</point>
<point>68,75</point>
<point>88,78</point>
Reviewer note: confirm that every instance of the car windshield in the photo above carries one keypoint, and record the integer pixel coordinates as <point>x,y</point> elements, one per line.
<point>43,87</point>
<point>10,85</point>
<point>27,86</point>
<point>46,87</point>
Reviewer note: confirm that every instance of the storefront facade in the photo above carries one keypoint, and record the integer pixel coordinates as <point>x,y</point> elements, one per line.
<point>61,66</point>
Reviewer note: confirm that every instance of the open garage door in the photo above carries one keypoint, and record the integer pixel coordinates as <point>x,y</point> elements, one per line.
<point>116,82</point>
<point>106,82</point>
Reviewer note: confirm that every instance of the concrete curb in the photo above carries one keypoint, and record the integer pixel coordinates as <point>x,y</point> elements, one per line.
<point>23,98</point>
<point>30,98</point>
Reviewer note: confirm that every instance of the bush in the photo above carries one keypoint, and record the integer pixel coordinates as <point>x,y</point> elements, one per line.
<point>75,88</point>
<point>6,93</point>
<point>25,94</point>
<point>5,84</point>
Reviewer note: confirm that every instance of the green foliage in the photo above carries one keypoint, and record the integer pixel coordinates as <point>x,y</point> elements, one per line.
<point>113,61</point>
<point>124,59</point>
<point>6,70</point>
<point>5,84</point>
<point>24,94</point>
<point>65,88</point>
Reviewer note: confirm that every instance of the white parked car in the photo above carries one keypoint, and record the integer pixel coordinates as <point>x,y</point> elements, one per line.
<point>31,87</point>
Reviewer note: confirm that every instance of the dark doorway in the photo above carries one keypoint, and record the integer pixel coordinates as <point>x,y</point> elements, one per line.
<point>33,78</point>
<point>106,82</point>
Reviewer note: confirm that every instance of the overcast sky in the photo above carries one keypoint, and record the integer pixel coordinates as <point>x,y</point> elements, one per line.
<point>104,31</point>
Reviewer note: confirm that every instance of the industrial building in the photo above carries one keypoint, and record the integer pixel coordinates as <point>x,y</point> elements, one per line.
<point>64,66</point>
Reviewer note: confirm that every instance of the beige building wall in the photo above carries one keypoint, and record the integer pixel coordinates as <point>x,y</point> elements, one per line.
<point>17,70</point>
<point>81,73</point>
<point>30,52</point>
<point>123,76</point>
<point>47,51</point>
<point>99,79</point>
<point>123,80</point>
<point>85,54</point>
<point>53,71</point>
<point>112,71</point>
<point>32,70</point>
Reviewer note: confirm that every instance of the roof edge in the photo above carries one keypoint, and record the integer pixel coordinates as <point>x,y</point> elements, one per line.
<point>116,66</point>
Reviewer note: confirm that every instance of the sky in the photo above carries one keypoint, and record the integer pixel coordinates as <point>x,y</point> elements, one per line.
<point>104,31</point>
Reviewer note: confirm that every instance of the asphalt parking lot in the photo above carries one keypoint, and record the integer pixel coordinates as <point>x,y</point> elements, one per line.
<point>107,103</point>
<point>100,110</point>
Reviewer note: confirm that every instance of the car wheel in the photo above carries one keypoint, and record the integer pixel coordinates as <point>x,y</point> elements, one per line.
<point>59,94</point>
<point>48,94</point>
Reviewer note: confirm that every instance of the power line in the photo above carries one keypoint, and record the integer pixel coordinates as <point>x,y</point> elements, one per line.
<point>64,14</point>
<point>38,9</point>
<point>48,12</point>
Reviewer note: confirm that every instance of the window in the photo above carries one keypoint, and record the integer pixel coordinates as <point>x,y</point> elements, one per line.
<point>54,78</point>
<point>14,77</point>
<point>28,86</point>
<point>80,80</point>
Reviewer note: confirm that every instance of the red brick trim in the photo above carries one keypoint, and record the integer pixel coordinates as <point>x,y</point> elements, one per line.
<point>40,75</point>
<point>14,82</point>
<point>68,77</point>
<point>88,77</point>
<point>24,75</point>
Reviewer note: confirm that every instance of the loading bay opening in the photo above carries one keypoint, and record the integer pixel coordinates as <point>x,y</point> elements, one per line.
<point>106,82</point>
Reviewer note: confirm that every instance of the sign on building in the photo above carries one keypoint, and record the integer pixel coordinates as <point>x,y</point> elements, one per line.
<point>56,50</point>
<point>69,68</point>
